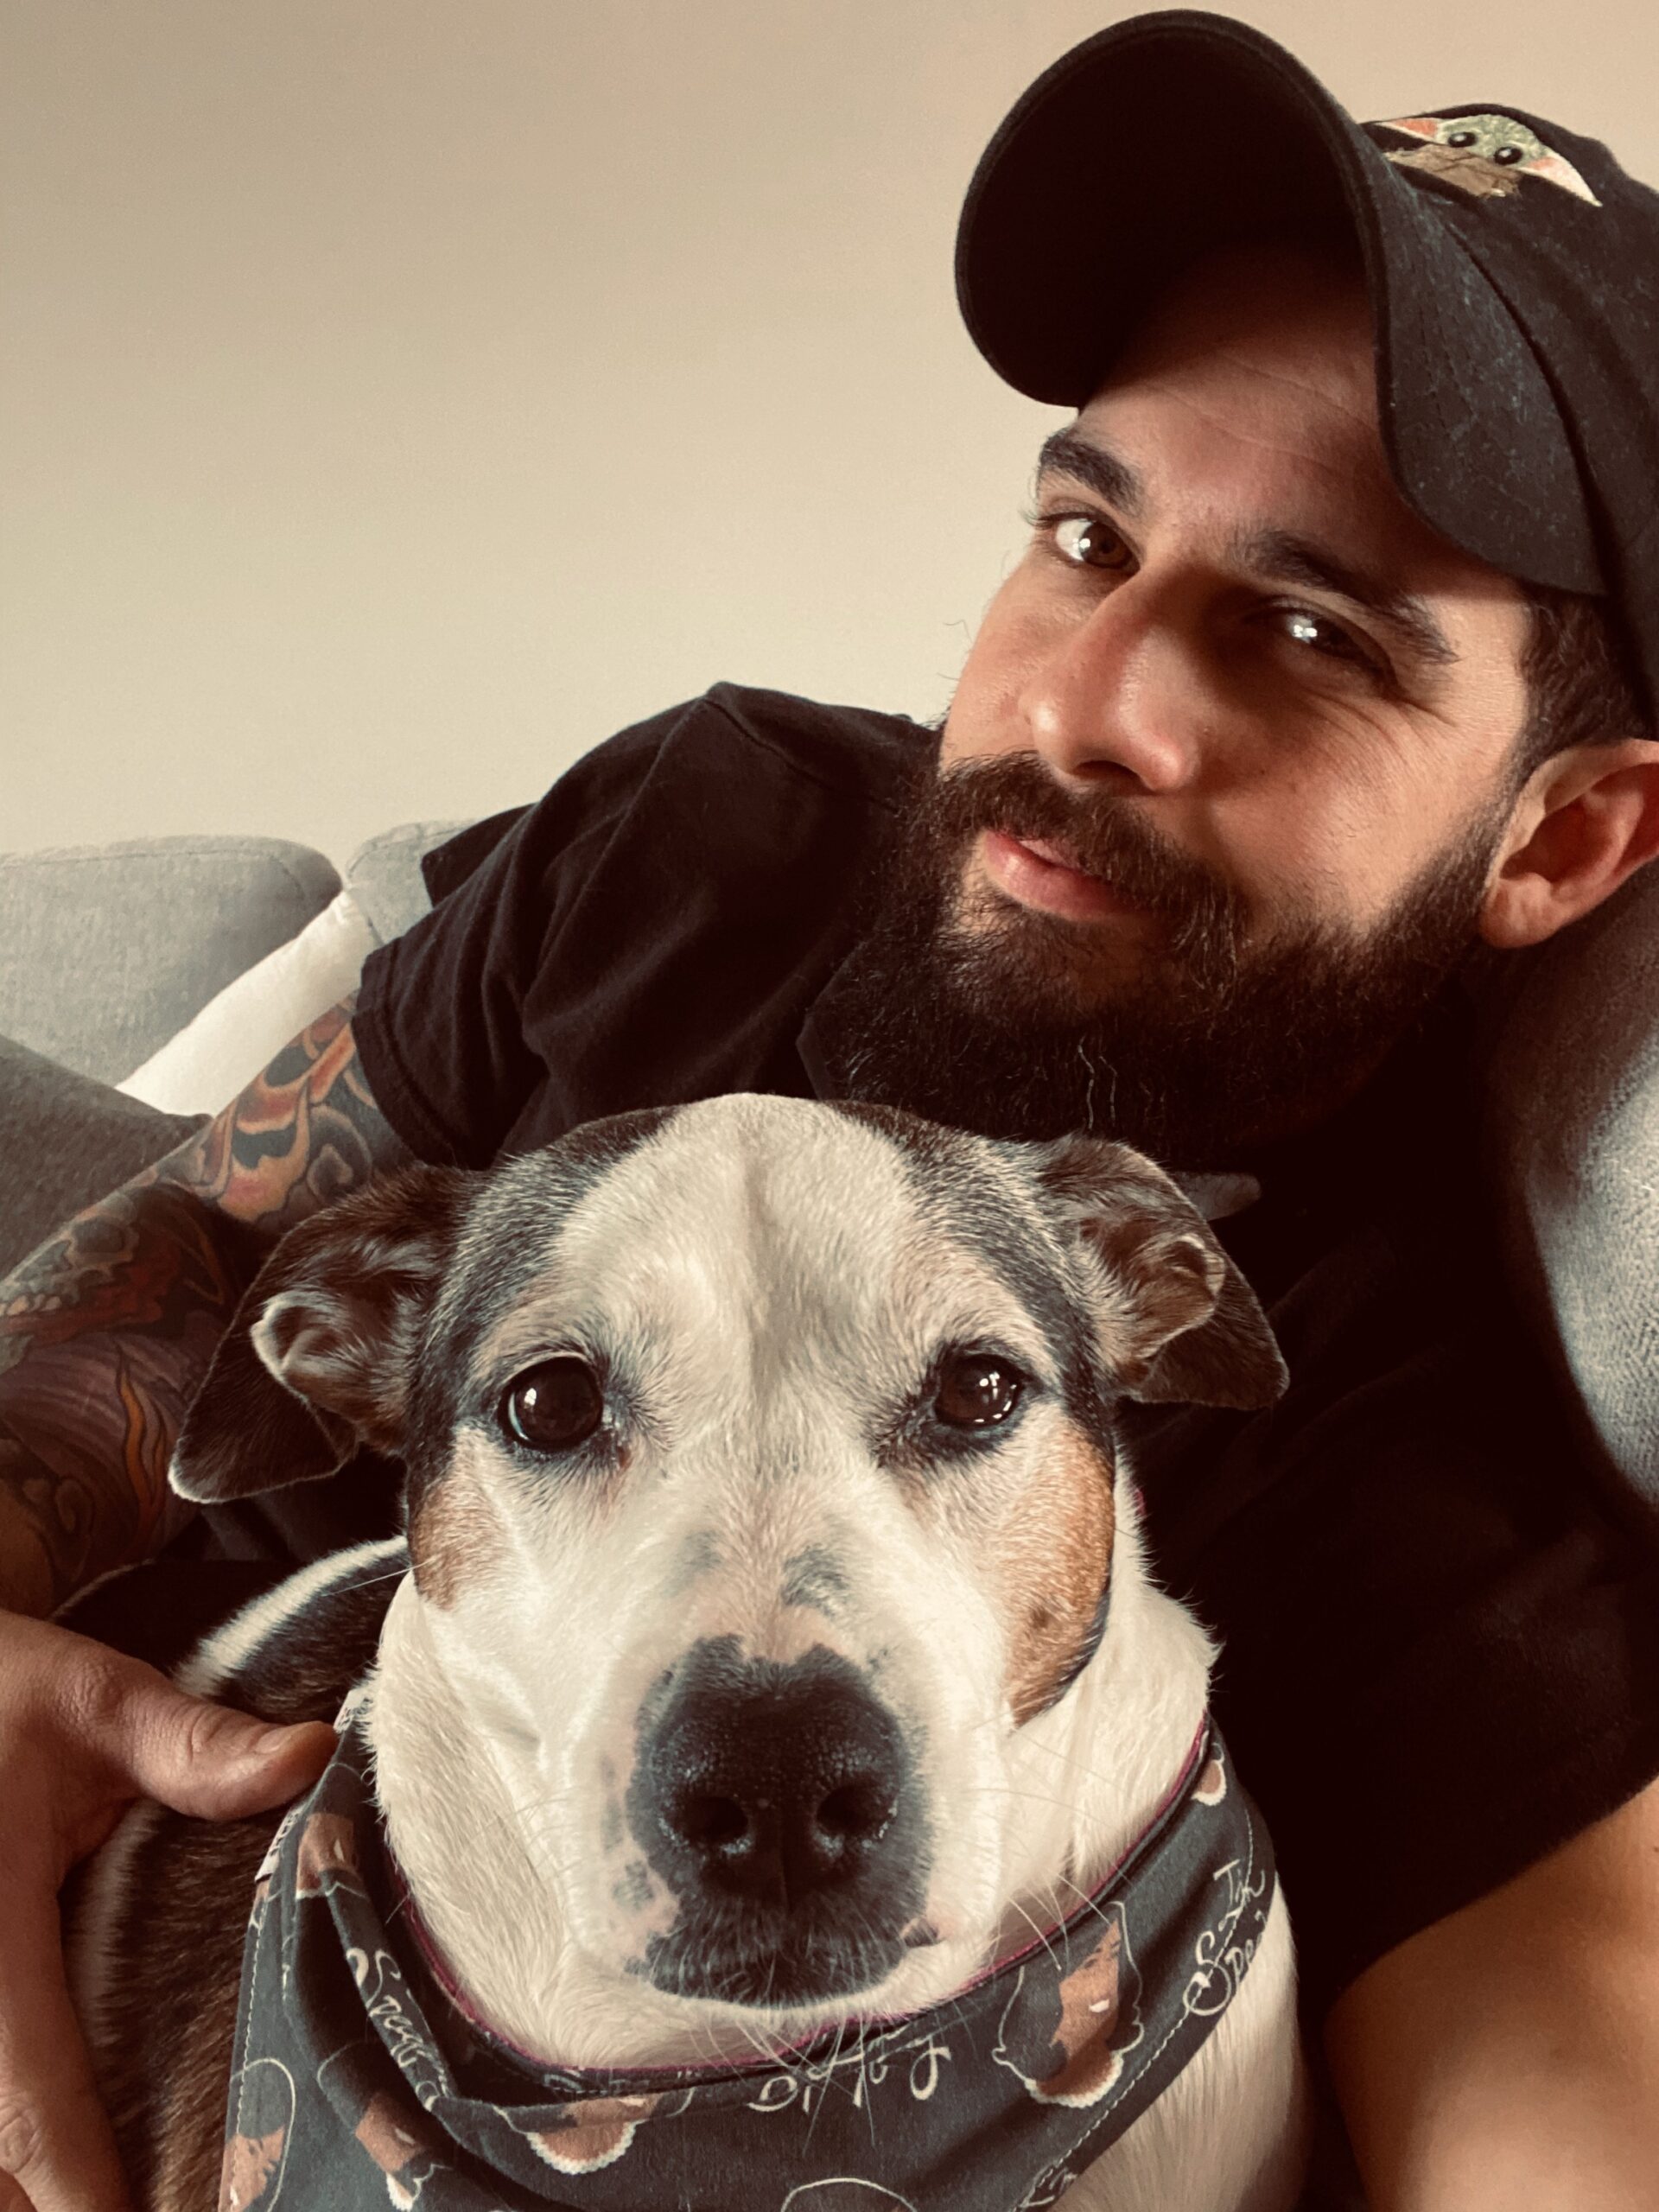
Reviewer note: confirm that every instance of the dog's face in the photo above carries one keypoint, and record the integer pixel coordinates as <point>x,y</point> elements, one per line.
<point>761,1491</point>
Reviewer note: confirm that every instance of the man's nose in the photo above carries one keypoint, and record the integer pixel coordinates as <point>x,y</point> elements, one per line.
<point>1119,696</point>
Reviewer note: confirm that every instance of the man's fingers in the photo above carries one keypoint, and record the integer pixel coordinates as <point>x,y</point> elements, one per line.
<point>200,1758</point>
<point>82,1730</point>
<point>55,2143</point>
<point>216,1763</point>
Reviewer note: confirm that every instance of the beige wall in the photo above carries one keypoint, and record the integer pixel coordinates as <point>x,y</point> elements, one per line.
<point>399,395</point>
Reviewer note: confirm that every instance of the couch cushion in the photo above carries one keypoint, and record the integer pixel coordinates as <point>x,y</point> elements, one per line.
<point>64,1140</point>
<point>384,875</point>
<point>242,1029</point>
<point>106,950</point>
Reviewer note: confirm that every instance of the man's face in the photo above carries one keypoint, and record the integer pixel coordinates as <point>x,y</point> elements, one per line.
<point>1230,756</point>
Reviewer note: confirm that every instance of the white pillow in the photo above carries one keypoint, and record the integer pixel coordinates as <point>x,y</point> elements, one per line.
<point>242,1030</point>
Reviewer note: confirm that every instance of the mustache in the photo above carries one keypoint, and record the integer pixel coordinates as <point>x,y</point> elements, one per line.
<point>1104,836</point>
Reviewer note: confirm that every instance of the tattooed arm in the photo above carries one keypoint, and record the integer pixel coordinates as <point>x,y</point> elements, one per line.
<point>106,1330</point>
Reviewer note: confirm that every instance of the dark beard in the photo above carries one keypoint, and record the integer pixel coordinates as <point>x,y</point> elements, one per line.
<point>1196,1049</point>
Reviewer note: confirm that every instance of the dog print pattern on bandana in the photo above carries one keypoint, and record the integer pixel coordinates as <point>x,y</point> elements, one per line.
<point>361,2081</point>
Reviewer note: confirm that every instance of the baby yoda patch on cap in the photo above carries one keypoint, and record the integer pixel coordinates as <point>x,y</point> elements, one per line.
<point>1486,155</point>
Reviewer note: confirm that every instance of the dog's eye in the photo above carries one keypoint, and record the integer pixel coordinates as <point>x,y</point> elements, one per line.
<point>554,1406</point>
<point>977,1389</point>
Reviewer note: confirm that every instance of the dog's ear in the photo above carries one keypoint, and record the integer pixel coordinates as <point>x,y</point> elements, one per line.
<point>1178,1322</point>
<point>318,1359</point>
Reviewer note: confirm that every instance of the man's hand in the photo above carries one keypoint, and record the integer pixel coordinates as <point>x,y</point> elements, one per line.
<point>84,1731</point>
<point>1507,2058</point>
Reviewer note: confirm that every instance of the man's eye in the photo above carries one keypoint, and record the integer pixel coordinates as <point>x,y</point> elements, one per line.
<point>1304,627</point>
<point>1085,541</point>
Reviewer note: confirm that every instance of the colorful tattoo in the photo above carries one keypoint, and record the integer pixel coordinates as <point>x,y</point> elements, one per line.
<point>302,1133</point>
<point>106,1330</point>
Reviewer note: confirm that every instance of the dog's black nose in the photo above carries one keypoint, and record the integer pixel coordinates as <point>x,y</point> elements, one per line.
<point>771,1783</point>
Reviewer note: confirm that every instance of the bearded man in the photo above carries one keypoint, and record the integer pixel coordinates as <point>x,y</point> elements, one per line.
<point>1325,682</point>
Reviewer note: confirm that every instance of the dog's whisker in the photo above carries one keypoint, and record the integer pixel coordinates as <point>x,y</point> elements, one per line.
<point>1089,1901</point>
<point>391,1575</point>
<point>1025,1796</point>
<point>1039,1932</point>
<point>1069,1759</point>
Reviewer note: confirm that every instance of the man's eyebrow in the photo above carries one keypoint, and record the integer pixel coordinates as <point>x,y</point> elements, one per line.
<point>1282,558</point>
<point>1067,453</point>
<point>1278,555</point>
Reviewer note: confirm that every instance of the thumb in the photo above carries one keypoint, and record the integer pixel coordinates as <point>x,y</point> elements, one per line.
<point>213,1763</point>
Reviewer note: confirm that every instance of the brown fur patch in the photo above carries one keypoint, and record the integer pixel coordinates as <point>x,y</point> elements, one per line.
<point>1166,1279</point>
<point>164,2069</point>
<point>1053,1555</point>
<point>454,1536</point>
<point>335,1315</point>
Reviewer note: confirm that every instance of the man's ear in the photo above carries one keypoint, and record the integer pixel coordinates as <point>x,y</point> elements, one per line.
<point>1178,1321</point>
<point>1587,820</point>
<point>318,1359</point>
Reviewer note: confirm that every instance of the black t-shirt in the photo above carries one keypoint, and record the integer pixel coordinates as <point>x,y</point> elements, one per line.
<point>1440,1639</point>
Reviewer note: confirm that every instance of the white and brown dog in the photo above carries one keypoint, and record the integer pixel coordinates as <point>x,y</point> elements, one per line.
<point>774,1780</point>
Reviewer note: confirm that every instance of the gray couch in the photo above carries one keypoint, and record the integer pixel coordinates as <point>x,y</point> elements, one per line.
<point>174,967</point>
<point>150,931</point>
<point>106,953</point>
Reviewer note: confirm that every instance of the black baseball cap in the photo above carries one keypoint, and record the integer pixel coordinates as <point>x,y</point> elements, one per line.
<point>1512,265</point>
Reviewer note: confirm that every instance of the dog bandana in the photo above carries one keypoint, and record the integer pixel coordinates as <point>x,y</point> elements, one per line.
<point>360,2081</point>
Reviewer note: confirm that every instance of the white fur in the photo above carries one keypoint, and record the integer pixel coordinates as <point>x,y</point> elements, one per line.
<point>234,1648</point>
<point>1227,2136</point>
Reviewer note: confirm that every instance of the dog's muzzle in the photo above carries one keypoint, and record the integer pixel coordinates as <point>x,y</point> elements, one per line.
<point>779,1803</point>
